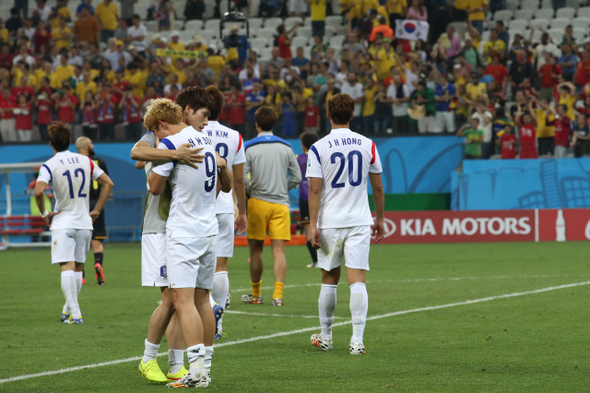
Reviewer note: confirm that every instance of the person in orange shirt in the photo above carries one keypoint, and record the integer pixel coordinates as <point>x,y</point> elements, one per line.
<point>383,29</point>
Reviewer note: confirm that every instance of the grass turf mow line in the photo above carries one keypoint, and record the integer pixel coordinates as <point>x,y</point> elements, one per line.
<point>262,314</point>
<point>288,333</point>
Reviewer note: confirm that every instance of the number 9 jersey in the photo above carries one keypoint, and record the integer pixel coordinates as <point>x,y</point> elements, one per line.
<point>343,159</point>
<point>70,175</point>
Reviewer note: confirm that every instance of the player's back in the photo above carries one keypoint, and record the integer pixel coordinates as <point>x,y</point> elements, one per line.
<point>343,159</point>
<point>71,175</point>
<point>192,210</point>
<point>230,146</point>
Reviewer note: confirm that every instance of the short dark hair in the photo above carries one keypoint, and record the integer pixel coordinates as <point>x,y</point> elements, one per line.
<point>195,98</point>
<point>60,135</point>
<point>308,138</point>
<point>217,99</point>
<point>341,108</point>
<point>265,118</point>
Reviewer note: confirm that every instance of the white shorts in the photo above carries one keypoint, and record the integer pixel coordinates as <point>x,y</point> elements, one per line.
<point>297,7</point>
<point>70,245</point>
<point>224,244</point>
<point>352,244</point>
<point>444,121</point>
<point>153,260</point>
<point>190,261</point>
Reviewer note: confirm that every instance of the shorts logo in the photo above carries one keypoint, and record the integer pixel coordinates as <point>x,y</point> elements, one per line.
<point>163,272</point>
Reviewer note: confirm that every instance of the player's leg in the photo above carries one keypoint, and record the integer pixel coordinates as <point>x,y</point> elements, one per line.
<point>258,213</point>
<point>99,234</point>
<point>304,214</point>
<point>224,249</point>
<point>356,254</point>
<point>175,349</point>
<point>279,229</point>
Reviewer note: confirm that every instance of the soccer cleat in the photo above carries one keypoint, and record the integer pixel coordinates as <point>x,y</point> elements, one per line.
<point>218,312</point>
<point>65,317</point>
<point>277,302</point>
<point>248,299</point>
<point>74,321</point>
<point>209,375</point>
<point>313,264</point>
<point>228,301</point>
<point>190,381</point>
<point>175,377</point>
<point>152,372</point>
<point>99,274</point>
<point>356,348</point>
<point>219,336</point>
<point>324,343</point>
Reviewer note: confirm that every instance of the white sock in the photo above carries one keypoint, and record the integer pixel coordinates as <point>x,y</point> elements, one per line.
<point>68,287</point>
<point>208,357</point>
<point>196,358</point>
<point>359,304</point>
<point>219,293</point>
<point>65,309</point>
<point>78,277</point>
<point>150,352</point>
<point>327,304</point>
<point>175,360</point>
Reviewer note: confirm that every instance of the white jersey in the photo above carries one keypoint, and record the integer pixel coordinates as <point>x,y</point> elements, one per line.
<point>228,143</point>
<point>192,209</point>
<point>343,159</point>
<point>70,175</point>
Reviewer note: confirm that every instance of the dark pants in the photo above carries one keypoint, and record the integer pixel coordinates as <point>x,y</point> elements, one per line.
<point>318,28</point>
<point>250,129</point>
<point>438,22</point>
<point>106,35</point>
<point>497,5</point>
<point>393,18</point>
<point>381,123</point>
<point>546,146</point>
<point>299,122</point>
<point>459,15</point>
<point>356,125</point>
<point>401,124</point>
<point>557,4</point>
<point>43,132</point>
<point>89,132</point>
<point>368,125</point>
<point>241,128</point>
<point>106,131</point>
<point>132,131</point>
<point>22,5</point>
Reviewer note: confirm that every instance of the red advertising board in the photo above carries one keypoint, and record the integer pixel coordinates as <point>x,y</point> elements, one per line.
<point>486,226</point>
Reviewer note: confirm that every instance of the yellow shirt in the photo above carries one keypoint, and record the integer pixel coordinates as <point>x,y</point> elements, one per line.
<point>386,61</point>
<point>40,74</point>
<point>216,63</point>
<point>278,100</point>
<point>318,10</point>
<point>93,74</point>
<point>397,6</point>
<point>62,12</point>
<point>362,6</point>
<point>474,91</point>
<point>461,4</point>
<point>497,45</point>
<point>138,80</point>
<point>4,34</point>
<point>232,54</point>
<point>569,101</point>
<point>480,15</point>
<point>271,82</point>
<point>176,46</point>
<point>369,108</point>
<point>61,74</point>
<point>345,5</point>
<point>59,34</point>
<point>82,88</point>
<point>111,76</point>
<point>382,11</point>
<point>306,93</point>
<point>543,130</point>
<point>107,15</point>
<point>179,73</point>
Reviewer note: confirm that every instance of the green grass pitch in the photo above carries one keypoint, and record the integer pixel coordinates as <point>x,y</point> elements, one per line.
<point>535,342</point>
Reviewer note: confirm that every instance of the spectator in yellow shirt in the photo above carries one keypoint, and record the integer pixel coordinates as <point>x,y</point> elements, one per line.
<point>177,67</point>
<point>174,43</point>
<point>59,11</point>
<point>137,79</point>
<point>369,107</point>
<point>318,16</point>
<point>494,46</point>
<point>62,35</point>
<point>107,14</point>
<point>63,72</point>
<point>216,62</point>
<point>477,13</point>
<point>475,89</point>
<point>86,84</point>
<point>396,10</point>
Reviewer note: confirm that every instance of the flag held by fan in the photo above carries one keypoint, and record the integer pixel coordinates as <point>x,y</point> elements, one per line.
<point>412,30</point>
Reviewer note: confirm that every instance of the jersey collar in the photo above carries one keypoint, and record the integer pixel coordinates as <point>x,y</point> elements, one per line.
<point>212,123</point>
<point>265,133</point>
<point>337,130</point>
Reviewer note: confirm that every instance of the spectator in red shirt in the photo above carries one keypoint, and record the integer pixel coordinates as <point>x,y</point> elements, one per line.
<point>24,119</point>
<point>508,143</point>
<point>7,122</point>
<point>131,107</point>
<point>44,105</point>
<point>106,104</point>
<point>549,74</point>
<point>312,115</point>
<point>42,38</point>
<point>6,57</point>
<point>582,75</point>
<point>88,108</point>
<point>237,104</point>
<point>284,40</point>
<point>499,72</point>
<point>528,132</point>
<point>65,104</point>
<point>28,91</point>
<point>563,125</point>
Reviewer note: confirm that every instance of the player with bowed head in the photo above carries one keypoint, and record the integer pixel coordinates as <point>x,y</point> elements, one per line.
<point>341,224</point>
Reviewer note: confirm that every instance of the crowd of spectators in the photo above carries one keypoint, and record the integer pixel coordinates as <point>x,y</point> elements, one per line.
<point>507,94</point>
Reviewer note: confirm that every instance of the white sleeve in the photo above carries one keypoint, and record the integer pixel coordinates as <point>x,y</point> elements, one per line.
<point>240,155</point>
<point>375,160</point>
<point>166,168</point>
<point>314,164</point>
<point>44,174</point>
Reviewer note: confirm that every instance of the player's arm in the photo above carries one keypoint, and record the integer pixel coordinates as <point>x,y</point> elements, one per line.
<point>378,228</point>
<point>106,186</point>
<point>246,176</point>
<point>40,200</point>
<point>225,177</point>
<point>240,196</point>
<point>157,183</point>
<point>294,172</point>
<point>142,151</point>
<point>314,199</point>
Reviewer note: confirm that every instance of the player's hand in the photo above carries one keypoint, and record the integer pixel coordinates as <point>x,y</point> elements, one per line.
<point>240,224</point>
<point>314,234</point>
<point>221,163</point>
<point>49,218</point>
<point>378,231</point>
<point>94,214</point>
<point>185,154</point>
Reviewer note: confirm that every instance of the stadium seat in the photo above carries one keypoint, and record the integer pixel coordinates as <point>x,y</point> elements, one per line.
<point>575,4</point>
<point>579,33</point>
<point>336,41</point>
<point>524,14</point>
<point>518,24</point>
<point>187,35</point>
<point>151,25</point>
<point>512,5</point>
<point>560,23</point>
<point>194,25</point>
<point>255,24</point>
<point>304,31</point>
<point>485,36</point>
<point>503,15</point>
<point>273,23</point>
<point>300,41</point>
<point>556,34</point>
<point>581,22</point>
<point>334,20</point>
<point>307,22</point>
<point>566,12</point>
<point>529,4</point>
<point>459,28</point>
<point>212,25</point>
<point>330,31</point>
<point>265,54</point>
<point>536,23</point>
<point>546,4</point>
<point>254,6</point>
<point>208,36</point>
<point>584,12</point>
<point>544,13</point>
<point>259,43</point>
<point>265,32</point>
<point>290,22</point>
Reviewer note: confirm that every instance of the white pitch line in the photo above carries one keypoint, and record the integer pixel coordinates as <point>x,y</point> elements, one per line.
<point>262,314</point>
<point>421,280</point>
<point>291,332</point>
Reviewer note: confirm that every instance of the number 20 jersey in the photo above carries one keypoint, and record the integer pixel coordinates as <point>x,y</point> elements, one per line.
<point>343,159</point>
<point>70,175</point>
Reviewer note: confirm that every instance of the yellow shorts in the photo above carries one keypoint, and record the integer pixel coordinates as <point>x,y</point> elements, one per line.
<point>273,218</point>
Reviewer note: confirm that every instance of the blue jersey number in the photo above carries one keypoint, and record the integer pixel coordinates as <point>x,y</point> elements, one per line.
<point>76,172</point>
<point>337,156</point>
<point>222,149</point>
<point>210,171</point>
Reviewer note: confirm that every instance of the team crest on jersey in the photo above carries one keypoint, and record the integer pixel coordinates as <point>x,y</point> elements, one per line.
<point>308,162</point>
<point>163,271</point>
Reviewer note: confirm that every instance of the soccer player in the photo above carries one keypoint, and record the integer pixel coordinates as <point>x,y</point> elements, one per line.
<point>153,242</point>
<point>85,147</point>
<point>70,175</point>
<point>307,139</point>
<point>229,145</point>
<point>268,159</point>
<point>340,218</point>
<point>190,241</point>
